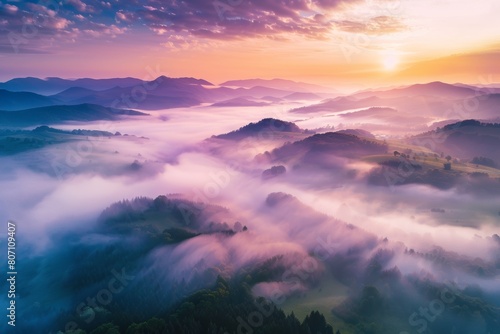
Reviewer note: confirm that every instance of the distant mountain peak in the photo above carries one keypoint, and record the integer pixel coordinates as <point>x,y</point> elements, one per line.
<point>185,80</point>
<point>240,102</point>
<point>282,84</point>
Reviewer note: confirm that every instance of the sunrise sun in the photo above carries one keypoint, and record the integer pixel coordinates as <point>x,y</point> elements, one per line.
<point>390,61</point>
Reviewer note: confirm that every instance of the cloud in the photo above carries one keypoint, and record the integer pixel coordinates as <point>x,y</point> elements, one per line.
<point>375,26</point>
<point>218,20</point>
<point>41,10</point>
<point>80,5</point>
<point>192,19</point>
<point>99,29</point>
<point>10,9</point>
<point>32,28</point>
<point>329,4</point>
<point>122,16</point>
<point>242,19</point>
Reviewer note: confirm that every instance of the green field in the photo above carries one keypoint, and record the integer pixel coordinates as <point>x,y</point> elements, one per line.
<point>426,158</point>
<point>328,294</point>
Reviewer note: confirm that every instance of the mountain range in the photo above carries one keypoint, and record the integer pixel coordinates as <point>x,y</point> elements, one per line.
<point>281,84</point>
<point>415,105</point>
<point>434,99</point>
<point>160,93</point>
<point>53,85</point>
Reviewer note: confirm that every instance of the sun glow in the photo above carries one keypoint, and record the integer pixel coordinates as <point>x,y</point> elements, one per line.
<point>390,61</point>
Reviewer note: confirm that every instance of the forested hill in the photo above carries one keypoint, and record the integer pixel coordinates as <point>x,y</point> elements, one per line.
<point>227,308</point>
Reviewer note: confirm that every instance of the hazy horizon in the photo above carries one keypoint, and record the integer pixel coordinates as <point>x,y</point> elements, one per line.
<point>372,42</point>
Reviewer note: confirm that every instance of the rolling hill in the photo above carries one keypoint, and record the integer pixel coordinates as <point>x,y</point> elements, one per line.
<point>266,125</point>
<point>24,100</point>
<point>17,141</point>
<point>317,150</point>
<point>464,140</point>
<point>63,113</point>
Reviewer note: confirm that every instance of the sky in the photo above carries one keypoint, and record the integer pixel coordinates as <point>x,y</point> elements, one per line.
<point>324,41</point>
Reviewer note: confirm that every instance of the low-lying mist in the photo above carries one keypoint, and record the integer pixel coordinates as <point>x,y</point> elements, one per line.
<point>222,217</point>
